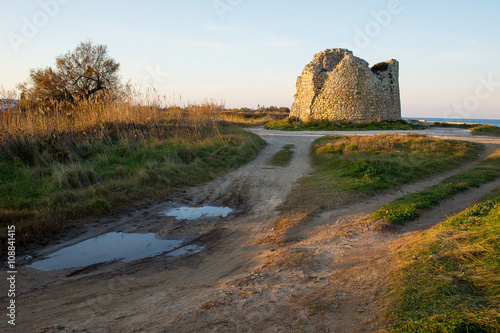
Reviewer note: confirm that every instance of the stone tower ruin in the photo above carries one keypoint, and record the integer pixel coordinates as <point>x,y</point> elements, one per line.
<point>336,85</point>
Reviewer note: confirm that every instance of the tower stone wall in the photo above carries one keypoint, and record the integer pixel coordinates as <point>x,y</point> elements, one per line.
<point>336,85</point>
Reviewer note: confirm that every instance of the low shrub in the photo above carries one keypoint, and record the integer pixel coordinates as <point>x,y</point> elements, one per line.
<point>487,130</point>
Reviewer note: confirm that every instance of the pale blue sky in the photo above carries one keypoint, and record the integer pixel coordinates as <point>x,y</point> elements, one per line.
<point>248,52</point>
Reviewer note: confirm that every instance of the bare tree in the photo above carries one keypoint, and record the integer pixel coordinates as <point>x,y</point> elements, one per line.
<point>85,72</point>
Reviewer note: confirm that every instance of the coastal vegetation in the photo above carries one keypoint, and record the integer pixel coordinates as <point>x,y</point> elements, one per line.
<point>246,117</point>
<point>100,154</point>
<point>81,143</point>
<point>409,206</point>
<point>349,167</point>
<point>449,276</point>
<point>293,124</point>
<point>487,130</point>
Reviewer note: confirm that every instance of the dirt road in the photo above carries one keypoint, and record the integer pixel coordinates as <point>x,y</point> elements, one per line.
<point>236,283</point>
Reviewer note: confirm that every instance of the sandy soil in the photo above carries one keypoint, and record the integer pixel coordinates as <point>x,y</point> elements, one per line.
<point>328,276</point>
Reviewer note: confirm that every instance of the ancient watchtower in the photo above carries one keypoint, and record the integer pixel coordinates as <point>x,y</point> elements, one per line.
<point>336,85</point>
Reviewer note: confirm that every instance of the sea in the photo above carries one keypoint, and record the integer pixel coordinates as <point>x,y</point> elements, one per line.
<point>494,122</point>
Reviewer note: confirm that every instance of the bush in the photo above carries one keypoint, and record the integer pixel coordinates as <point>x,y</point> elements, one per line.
<point>488,130</point>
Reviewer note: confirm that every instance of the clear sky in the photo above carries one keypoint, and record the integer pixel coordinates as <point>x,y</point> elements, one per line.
<point>250,52</point>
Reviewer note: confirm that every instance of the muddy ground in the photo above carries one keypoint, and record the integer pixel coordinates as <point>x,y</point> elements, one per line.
<point>329,277</point>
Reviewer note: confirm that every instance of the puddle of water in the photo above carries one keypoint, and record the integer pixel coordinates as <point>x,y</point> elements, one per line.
<point>111,246</point>
<point>193,213</point>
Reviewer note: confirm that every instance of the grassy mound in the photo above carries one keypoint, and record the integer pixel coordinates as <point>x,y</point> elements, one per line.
<point>449,280</point>
<point>409,207</point>
<point>348,167</point>
<point>487,130</point>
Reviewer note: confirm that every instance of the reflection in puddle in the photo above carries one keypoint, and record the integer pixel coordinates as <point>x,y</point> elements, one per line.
<point>192,213</point>
<point>111,246</point>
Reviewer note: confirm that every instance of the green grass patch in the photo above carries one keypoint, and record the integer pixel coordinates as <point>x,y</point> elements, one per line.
<point>291,124</point>
<point>348,167</point>
<point>283,157</point>
<point>487,130</point>
<point>93,175</point>
<point>409,207</point>
<point>449,280</point>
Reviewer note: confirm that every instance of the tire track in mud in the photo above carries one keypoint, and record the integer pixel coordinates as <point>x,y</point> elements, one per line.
<point>233,285</point>
<point>358,261</point>
<point>358,254</point>
<point>262,188</point>
<point>355,265</point>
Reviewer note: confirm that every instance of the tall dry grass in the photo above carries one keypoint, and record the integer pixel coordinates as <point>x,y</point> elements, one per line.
<point>29,129</point>
<point>87,158</point>
<point>31,120</point>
